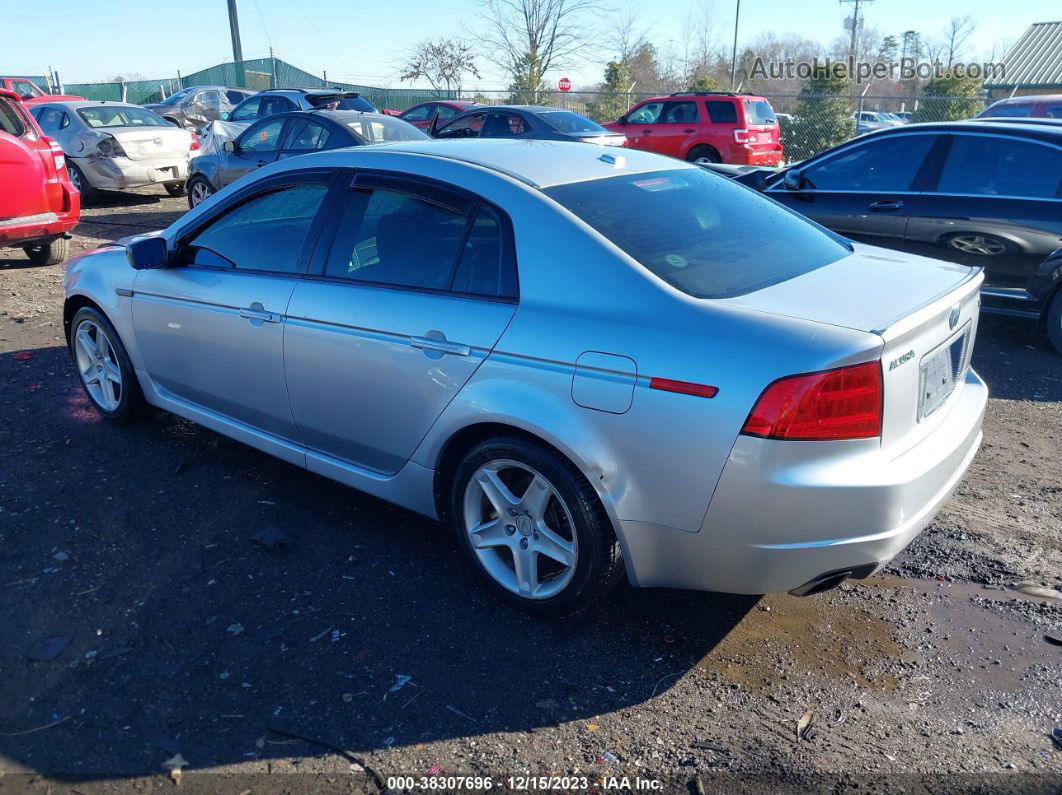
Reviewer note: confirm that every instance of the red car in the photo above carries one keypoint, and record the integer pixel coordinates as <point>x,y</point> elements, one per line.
<point>38,205</point>
<point>30,93</point>
<point>1044,106</point>
<point>420,116</point>
<point>706,126</point>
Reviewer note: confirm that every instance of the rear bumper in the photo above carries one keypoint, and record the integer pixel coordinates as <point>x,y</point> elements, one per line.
<point>118,173</point>
<point>40,228</point>
<point>744,156</point>
<point>785,513</point>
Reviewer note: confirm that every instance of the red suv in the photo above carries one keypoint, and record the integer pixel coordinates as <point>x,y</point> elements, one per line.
<point>38,205</point>
<point>706,126</point>
<point>30,92</point>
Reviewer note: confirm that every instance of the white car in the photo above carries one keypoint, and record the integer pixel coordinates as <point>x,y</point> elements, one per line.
<point>115,145</point>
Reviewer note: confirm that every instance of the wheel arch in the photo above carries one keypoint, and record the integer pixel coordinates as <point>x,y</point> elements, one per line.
<point>703,146</point>
<point>75,303</point>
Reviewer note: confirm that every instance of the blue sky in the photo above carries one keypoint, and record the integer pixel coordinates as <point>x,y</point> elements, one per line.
<point>365,42</point>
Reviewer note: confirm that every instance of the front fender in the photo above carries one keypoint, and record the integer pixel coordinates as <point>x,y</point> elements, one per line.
<point>105,277</point>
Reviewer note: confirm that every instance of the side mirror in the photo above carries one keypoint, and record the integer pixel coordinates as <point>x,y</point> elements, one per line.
<point>793,179</point>
<point>224,115</point>
<point>148,252</point>
<point>231,147</point>
<point>622,120</point>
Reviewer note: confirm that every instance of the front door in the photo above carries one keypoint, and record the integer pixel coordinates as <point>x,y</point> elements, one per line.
<point>210,329</point>
<point>411,296</point>
<point>256,146</point>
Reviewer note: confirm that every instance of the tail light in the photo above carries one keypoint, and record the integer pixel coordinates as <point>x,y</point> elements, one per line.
<point>109,147</point>
<point>835,404</point>
<point>741,136</point>
<point>195,142</point>
<point>57,154</point>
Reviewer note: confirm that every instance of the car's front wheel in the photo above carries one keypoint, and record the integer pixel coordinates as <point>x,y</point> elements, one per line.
<point>199,190</point>
<point>533,527</point>
<point>104,367</point>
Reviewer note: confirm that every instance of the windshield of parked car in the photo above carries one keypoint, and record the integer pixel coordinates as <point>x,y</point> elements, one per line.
<point>174,99</point>
<point>567,122</point>
<point>700,232</point>
<point>120,116</point>
<point>384,128</point>
<point>759,111</point>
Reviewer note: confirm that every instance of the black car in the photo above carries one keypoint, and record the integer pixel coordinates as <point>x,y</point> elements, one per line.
<point>528,122</point>
<point>195,107</point>
<point>280,100</point>
<point>985,193</point>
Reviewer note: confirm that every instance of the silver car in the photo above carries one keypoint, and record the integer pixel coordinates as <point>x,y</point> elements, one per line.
<point>585,360</point>
<point>115,146</point>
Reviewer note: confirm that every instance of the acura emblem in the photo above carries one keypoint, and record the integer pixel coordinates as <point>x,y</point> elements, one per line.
<point>953,318</point>
<point>158,142</point>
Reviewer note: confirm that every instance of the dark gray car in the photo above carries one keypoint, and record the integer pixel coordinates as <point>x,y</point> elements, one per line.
<point>194,108</point>
<point>527,122</point>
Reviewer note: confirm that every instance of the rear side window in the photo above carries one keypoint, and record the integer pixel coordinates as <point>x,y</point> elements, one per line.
<point>721,112</point>
<point>265,233</point>
<point>679,113</point>
<point>984,165</point>
<point>759,111</point>
<point>52,120</point>
<point>10,121</point>
<point>701,233</point>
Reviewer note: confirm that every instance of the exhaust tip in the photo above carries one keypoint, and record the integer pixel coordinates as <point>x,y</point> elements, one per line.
<point>831,579</point>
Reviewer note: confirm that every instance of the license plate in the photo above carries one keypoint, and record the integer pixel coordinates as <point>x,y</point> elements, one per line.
<point>940,371</point>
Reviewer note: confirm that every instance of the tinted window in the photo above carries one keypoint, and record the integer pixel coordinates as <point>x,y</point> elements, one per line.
<point>248,111</point>
<point>265,233</point>
<point>759,111</point>
<point>1009,111</point>
<point>398,239</point>
<point>120,116</point>
<point>310,136</point>
<point>235,97</point>
<point>646,114</point>
<point>568,122</point>
<point>722,112</point>
<point>271,105</point>
<point>989,166</point>
<point>356,103</point>
<point>463,127</point>
<point>262,137</point>
<point>486,266</point>
<point>446,112</point>
<point>52,120</point>
<point>679,113</point>
<point>423,113</point>
<point>886,164</point>
<point>505,125</point>
<point>9,120</point>
<point>26,89</point>
<point>702,233</point>
<point>374,129</point>
<point>1053,111</point>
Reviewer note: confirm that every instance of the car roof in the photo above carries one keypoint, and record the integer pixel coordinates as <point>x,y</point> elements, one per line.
<point>540,164</point>
<point>1046,132</point>
<point>1028,100</point>
<point>76,104</point>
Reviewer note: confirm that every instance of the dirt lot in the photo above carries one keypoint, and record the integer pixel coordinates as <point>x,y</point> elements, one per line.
<point>172,632</point>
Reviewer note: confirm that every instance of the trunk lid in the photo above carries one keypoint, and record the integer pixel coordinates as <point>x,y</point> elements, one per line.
<point>924,310</point>
<point>152,143</point>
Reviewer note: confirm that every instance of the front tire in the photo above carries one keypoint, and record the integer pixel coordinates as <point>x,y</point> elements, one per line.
<point>174,188</point>
<point>103,365</point>
<point>51,253</point>
<point>199,190</point>
<point>1054,321</point>
<point>77,177</point>
<point>533,527</point>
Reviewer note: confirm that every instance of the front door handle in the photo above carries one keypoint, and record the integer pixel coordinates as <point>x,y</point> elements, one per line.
<point>689,130</point>
<point>258,314</point>
<point>261,163</point>
<point>440,345</point>
<point>647,132</point>
<point>886,206</point>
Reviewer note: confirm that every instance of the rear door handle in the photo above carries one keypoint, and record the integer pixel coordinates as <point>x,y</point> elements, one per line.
<point>257,312</point>
<point>886,206</point>
<point>442,346</point>
<point>647,132</point>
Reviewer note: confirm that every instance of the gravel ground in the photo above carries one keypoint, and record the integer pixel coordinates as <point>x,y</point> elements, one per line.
<point>364,650</point>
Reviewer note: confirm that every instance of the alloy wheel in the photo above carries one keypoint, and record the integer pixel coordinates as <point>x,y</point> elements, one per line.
<point>75,178</point>
<point>199,192</point>
<point>978,244</point>
<point>96,364</point>
<point>520,529</point>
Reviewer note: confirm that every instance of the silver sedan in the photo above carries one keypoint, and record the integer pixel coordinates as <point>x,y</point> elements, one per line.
<point>589,362</point>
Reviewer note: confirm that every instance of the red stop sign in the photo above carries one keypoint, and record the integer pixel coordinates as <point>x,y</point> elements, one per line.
<point>565,84</point>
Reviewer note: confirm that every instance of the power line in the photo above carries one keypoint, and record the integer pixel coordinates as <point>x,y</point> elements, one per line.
<point>324,41</point>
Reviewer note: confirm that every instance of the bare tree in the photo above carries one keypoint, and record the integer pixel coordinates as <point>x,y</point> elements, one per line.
<point>956,37</point>
<point>624,33</point>
<point>442,62</point>
<point>527,38</point>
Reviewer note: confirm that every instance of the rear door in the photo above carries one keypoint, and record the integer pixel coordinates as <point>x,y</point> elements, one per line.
<point>995,204</point>
<point>405,301</point>
<point>863,191</point>
<point>676,129</point>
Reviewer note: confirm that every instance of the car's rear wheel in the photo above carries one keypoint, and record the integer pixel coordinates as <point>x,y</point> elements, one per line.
<point>980,245</point>
<point>51,253</point>
<point>77,178</point>
<point>1054,321</point>
<point>174,188</point>
<point>533,527</point>
<point>199,190</point>
<point>104,367</point>
<point>703,154</point>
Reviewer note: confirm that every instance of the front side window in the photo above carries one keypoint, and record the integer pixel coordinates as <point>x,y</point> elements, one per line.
<point>701,233</point>
<point>248,111</point>
<point>679,113</point>
<point>885,164</point>
<point>101,116</point>
<point>985,165</point>
<point>265,233</point>
<point>421,113</point>
<point>646,114</point>
<point>463,126</point>
<point>262,137</point>
<point>722,112</point>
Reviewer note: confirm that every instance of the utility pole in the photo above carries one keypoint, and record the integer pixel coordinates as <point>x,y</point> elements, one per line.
<point>852,52</point>
<point>237,47</point>
<point>733,57</point>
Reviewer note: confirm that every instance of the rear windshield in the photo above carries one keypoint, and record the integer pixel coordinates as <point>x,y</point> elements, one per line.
<point>174,99</point>
<point>379,129</point>
<point>700,232</point>
<point>567,122</point>
<point>759,111</point>
<point>120,116</point>
<point>356,103</point>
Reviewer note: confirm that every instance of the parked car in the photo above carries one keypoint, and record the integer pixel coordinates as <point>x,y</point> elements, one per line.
<point>194,108</point>
<point>709,404</point>
<point>978,193</point>
<point>526,122</point>
<point>281,100</point>
<point>870,120</point>
<point>705,126</point>
<point>422,115</point>
<point>115,146</point>
<point>38,205</point>
<point>904,115</point>
<point>1043,106</point>
<point>286,135</point>
<point>30,93</point>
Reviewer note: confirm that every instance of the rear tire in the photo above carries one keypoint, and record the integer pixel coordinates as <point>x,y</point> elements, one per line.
<point>550,549</point>
<point>88,193</point>
<point>51,253</point>
<point>199,190</point>
<point>703,154</point>
<point>1054,321</point>
<point>106,373</point>
<point>174,188</point>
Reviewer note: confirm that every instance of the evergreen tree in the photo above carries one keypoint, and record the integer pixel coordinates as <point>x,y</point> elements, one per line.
<point>823,117</point>
<point>950,98</point>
